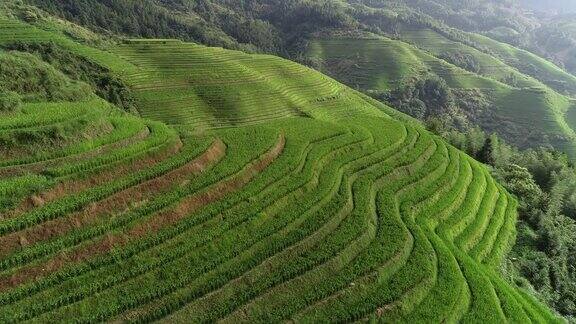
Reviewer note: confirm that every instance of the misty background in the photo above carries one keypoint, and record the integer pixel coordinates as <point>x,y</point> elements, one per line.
<point>558,6</point>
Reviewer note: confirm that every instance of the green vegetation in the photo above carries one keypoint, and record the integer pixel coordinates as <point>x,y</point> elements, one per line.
<point>258,190</point>
<point>556,40</point>
<point>76,67</point>
<point>543,180</point>
<point>517,82</point>
<point>10,101</point>
<point>272,26</point>
<point>498,99</point>
<point>35,80</point>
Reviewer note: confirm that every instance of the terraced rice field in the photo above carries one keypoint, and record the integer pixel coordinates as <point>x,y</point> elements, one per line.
<point>489,66</point>
<point>195,86</point>
<point>295,198</point>
<point>525,113</point>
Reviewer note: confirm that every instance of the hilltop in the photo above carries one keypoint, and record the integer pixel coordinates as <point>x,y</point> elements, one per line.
<point>156,179</point>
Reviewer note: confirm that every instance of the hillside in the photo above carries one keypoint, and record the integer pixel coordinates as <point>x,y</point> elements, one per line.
<point>514,101</point>
<point>556,40</point>
<point>523,88</point>
<point>250,189</point>
<point>542,27</point>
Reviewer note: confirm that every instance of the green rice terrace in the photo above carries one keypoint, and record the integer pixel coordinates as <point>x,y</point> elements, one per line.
<point>249,189</point>
<point>523,110</point>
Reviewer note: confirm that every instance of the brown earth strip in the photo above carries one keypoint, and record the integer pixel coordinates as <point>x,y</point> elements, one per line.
<point>76,185</point>
<point>182,210</point>
<point>116,203</point>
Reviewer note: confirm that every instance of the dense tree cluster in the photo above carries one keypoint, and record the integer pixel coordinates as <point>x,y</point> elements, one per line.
<point>424,98</point>
<point>465,61</point>
<point>430,99</point>
<point>273,26</point>
<point>135,18</point>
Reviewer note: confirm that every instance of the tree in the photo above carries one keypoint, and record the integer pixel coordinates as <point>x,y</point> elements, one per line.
<point>488,153</point>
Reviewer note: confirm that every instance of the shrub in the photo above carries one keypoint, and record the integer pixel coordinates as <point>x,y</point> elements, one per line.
<point>9,101</point>
<point>77,68</point>
<point>30,16</point>
<point>36,80</point>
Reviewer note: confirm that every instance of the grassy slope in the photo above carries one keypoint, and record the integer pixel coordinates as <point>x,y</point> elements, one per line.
<point>286,195</point>
<point>527,113</point>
